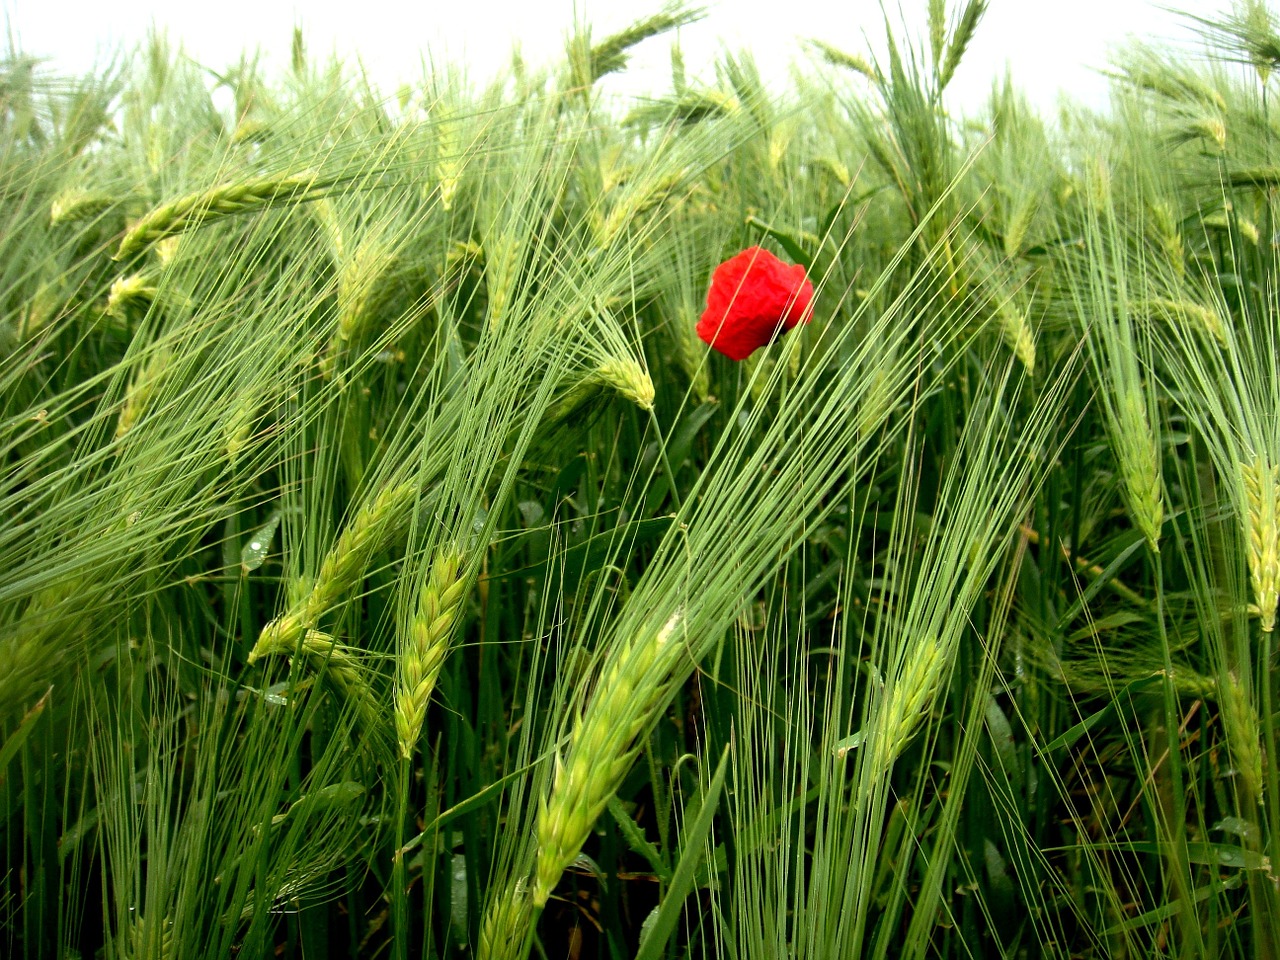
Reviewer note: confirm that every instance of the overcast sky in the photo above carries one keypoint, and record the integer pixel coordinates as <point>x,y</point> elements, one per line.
<point>1049,45</point>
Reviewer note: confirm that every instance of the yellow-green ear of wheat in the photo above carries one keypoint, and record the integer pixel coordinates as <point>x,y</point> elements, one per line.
<point>424,649</point>
<point>1240,722</point>
<point>342,568</point>
<point>1262,534</point>
<point>505,929</point>
<point>602,745</point>
<point>196,209</point>
<point>904,706</point>
<point>1139,458</point>
<point>341,665</point>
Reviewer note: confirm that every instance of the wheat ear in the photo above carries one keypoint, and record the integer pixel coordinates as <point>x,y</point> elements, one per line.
<point>849,61</point>
<point>342,666</point>
<point>142,389</point>
<point>147,941</point>
<point>342,568</point>
<point>1015,328</point>
<point>126,293</point>
<point>1262,533</point>
<point>196,209</point>
<point>624,376</point>
<point>961,39</point>
<point>633,685</point>
<point>504,933</point>
<point>1240,723</point>
<point>75,205</point>
<point>424,650</point>
<point>1185,311</point>
<point>1139,457</point>
<point>906,704</point>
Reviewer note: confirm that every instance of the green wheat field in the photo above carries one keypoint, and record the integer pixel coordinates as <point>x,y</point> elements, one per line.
<point>388,570</point>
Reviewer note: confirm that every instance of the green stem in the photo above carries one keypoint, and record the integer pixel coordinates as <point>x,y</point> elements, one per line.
<point>1265,897</point>
<point>666,464</point>
<point>399,875</point>
<point>1178,863</point>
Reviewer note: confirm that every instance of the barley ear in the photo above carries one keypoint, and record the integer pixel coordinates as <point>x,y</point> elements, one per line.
<point>369,531</point>
<point>423,651</point>
<point>602,744</point>
<point>1240,722</point>
<point>196,209</point>
<point>504,932</point>
<point>1262,534</point>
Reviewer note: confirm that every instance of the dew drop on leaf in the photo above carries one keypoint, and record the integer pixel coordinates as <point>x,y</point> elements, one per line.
<point>255,551</point>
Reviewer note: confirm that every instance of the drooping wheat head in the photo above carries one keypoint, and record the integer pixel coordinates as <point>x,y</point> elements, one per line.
<point>196,209</point>
<point>369,531</point>
<point>423,650</point>
<point>635,678</point>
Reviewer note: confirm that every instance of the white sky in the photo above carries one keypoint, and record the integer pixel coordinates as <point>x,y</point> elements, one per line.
<point>1049,45</point>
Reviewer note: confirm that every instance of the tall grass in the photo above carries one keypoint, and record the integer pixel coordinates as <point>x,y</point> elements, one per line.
<point>389,569</point>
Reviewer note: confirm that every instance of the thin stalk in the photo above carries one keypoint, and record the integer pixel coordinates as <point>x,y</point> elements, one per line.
<point>1178,863</point>
<point>399,873</point>
<point>666,463</point>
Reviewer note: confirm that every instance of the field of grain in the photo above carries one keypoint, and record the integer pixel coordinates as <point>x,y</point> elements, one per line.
<point>389,567</point>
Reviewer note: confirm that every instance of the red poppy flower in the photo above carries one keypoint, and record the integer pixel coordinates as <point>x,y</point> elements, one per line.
<point>754,297</point>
